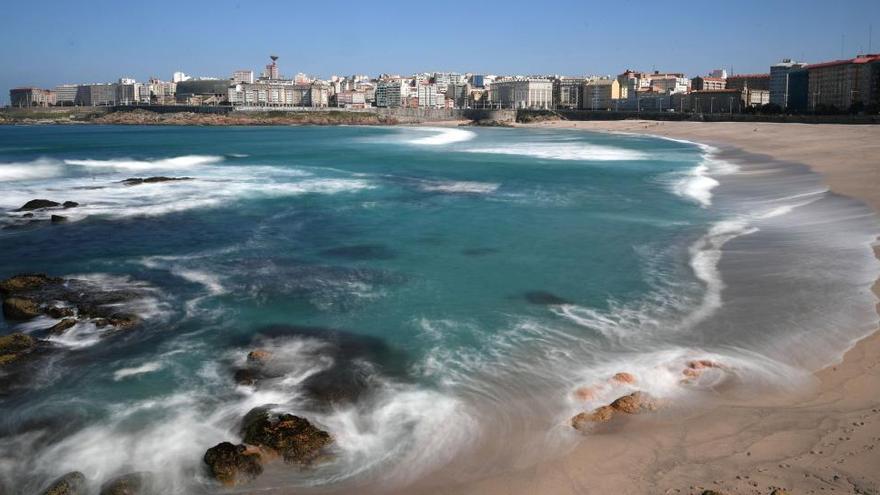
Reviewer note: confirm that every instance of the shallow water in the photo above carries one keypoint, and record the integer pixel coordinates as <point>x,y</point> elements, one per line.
<point>466,281</point>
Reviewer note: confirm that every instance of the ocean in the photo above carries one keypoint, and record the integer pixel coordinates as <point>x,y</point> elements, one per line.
<point>433,297</point>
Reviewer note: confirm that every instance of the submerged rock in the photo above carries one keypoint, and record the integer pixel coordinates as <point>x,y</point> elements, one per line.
<point>258,357</point>
<point>70,204</point>
<point>623,377</point>
<point>293,437</point>
<point>20,308</point>
<point>133,181</point>
<point>128,484</point>
<point>233,464</point>
<point>635,403</point>
<point>545,298</point>
<point>14,346</point>
<point>37,204</point>
<point>62,326</point>
<point>58,218</point>
<point>73,483</point>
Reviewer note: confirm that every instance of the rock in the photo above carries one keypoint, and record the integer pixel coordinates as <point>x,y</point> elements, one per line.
<point>28,215</point>
<point>62,326</point>
<point>712,492</point>
<point>584,420</point>
<point>634,403</point>
<point>258,357</point>
<point>73,483</point>
<point>233,464</point>
<point>14,346</point>
<point>623,378</point>
<point>60,312</point>
<point>585,393</point>
<point>123,321</point>
<point>27,281</point>
<point>36,204</point>
<point>246,376</point>
<point>58,218</point>
<point>779,491</point>
<point>295,438</point>
<point>128,484</point>
<point>702,364</point>
<point>20,308</point>
<point>134,181</point>
<point>70,204</point>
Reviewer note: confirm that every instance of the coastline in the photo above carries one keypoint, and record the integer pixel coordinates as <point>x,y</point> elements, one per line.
<point>824,439</point>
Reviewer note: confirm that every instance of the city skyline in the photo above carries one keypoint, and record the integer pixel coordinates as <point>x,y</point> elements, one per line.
<point>491,39</point>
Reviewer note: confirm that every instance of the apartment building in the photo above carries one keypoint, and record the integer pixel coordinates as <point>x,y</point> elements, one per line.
<point>779,81</point>
<point>600,94</point>
<point>522,92</point>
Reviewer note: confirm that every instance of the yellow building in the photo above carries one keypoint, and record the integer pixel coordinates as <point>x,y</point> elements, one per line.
<point>600,94</point>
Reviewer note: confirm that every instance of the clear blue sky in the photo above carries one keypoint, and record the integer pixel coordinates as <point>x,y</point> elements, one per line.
<point>52,42</point>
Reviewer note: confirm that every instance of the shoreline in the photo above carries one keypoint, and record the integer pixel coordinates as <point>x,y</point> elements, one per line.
<point>822,440</point>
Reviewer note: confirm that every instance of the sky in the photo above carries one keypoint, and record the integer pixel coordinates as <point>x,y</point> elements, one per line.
<point>100,41</point>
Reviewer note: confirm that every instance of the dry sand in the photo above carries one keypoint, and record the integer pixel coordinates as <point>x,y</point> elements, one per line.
<point>827,440</point>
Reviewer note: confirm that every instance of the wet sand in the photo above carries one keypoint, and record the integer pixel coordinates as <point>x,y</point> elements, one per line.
<point>823,440</point>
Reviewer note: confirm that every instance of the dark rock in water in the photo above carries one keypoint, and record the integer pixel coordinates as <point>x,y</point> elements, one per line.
<point>20,308</point>
<point>295,438</point>
<point>31,295</point>
<point>73,483</point>
<point>258,357</point>
<point>60,312</point>
<point>247,376</point>
<point>356,360</point>
<point>62,326</point>
<point>14,346</point>
<point>128,484</point>
<point>133,181</point>
<point>28,215</point>
<point>58,218</point>
<point>233,464</point>
<point>26,282</point>
<point>361,252</point>
<point>545,298</point>
<point>36,204</point>
<point>479,251</point>
<point>70,204</point>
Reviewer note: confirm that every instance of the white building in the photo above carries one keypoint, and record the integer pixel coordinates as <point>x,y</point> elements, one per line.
<point>429,96</point>
<point>522,92</point>
<point>179,77</point>
<point>243,77</point>
<point>65,94</point>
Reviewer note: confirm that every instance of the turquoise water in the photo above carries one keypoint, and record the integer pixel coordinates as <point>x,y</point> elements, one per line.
<point>469,279</point>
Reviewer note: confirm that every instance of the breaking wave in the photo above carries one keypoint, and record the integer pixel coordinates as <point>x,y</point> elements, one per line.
<point>175,163</point>
<point>563,151</point>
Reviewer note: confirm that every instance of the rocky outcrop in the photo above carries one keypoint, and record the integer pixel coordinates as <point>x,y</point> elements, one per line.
<point>29,295</point>
<point>69,204</point>
<point>73,483</point>
<point>585,420</point>
<point>20,308</point>
<point>233,464</point>
<point>134,181</point>
<point>128,484</point>
<point>38,204</point>
<point>258,357</point>
<point>15,346</point>
<point>294,438</point>
<point>635,403</point>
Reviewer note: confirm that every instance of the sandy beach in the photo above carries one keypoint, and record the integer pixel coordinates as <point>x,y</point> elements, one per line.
<point>823,440</point>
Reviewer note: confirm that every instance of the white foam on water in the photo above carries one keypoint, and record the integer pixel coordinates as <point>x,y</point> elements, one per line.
<point>175,163</point>
<point>210,281</point>
<point>442,136</point>
<point>42,168</point>
<point>124,373</point>
<point>461,187</point>
<point>563,151</point>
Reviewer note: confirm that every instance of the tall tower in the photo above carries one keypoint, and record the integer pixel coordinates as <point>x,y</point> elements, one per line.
<point>272,69</point>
